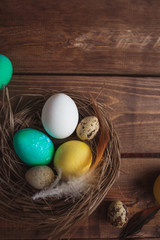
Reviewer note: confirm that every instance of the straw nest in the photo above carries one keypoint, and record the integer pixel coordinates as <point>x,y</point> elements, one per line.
<point>52,217</point>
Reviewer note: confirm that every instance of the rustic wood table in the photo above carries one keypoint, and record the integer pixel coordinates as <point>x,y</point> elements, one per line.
<point>111,49</point>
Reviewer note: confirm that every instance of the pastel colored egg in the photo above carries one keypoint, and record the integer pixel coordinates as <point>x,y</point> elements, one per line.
<point>88,128</point>
<point>73,158</point>
<point>6,71</point>
<point>33,147</point>
<point>39,177</point>
<point>60,116</point>
<point>156,189</point>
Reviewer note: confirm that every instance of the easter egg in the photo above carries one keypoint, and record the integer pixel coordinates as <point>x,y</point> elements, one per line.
<point>88,128</point>
<point>73,158</point>
<point>117,214</point>
<point>156,189</point>
<point>39,177</point>
<point>6,71</point>
<point>60,116</point>
<point>33,147</point>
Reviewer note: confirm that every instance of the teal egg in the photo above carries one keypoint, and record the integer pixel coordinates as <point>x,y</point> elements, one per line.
<point>33,147</point>
<point>6,71</point>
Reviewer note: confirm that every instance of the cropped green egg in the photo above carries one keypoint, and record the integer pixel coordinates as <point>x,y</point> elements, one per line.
<point>33,147</point>
<point>6,71</point>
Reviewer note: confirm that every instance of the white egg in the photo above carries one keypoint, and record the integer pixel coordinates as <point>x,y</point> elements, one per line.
<point>60,116</point>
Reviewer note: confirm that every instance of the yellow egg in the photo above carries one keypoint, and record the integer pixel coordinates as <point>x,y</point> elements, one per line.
<point>73,158</point>
<point>156,189</point>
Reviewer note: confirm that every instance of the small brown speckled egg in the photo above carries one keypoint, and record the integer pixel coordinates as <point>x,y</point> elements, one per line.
<point>39,176</point>
<point>88,128</point>
<point>117,214</point>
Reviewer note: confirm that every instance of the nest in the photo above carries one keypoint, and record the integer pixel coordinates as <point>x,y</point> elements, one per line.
<point>52,217</point>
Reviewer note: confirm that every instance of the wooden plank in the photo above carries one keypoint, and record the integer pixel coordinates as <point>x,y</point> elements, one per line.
<point>132,103</point>
<point>108,37</point>
<point>101,238</point>
<point>134,188</point>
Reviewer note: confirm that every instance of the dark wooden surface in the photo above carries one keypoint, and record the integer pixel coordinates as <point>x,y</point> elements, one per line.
<point>111,49</point>
<point>72,36</point>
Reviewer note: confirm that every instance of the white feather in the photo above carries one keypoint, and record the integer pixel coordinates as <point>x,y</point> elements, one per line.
<point>72,188</point>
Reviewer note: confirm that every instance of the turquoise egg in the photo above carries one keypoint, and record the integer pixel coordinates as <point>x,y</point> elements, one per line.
<point>33,147</point>
<point>6,71</point>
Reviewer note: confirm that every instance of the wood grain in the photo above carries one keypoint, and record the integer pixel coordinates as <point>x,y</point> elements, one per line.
<point>100,47</point>
<point>106,37</point>
<point>132,103</point>
<point>133,187</point>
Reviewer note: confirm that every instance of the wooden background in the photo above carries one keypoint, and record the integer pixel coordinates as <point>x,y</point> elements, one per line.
<point>111,49</point>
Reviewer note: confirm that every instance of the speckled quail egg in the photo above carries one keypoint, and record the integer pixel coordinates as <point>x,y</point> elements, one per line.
<point>117,214</point>
<point>39,177</point>
<point>87,128</point>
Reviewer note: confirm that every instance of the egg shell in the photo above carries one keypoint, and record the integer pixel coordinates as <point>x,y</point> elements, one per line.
<point>39,177</point>
<point>156,189</point>
<point>117,214</point>
<point>33,147</point>
<point>60,116</point>
<point>6,71</point>
<point>73,158</point>
<point>88,128</point>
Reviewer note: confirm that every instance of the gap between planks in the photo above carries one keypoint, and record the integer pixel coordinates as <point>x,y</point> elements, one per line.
<point>86,74</point>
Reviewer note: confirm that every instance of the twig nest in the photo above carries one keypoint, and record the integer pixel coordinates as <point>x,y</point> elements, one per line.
<point>53,217</point>
<point>39,177</point>
<point>88,128</point>
<point>117,214</point>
